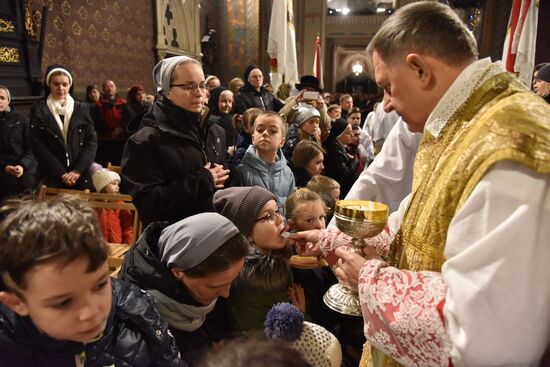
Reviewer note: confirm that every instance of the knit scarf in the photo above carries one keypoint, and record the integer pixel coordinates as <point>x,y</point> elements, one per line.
<point>64,108</point>
<point>179,315</point>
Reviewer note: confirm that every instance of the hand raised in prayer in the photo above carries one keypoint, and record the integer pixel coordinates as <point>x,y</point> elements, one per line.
<point>18,171</point>
<point>70,178</point>
<point>348,267</point>
<point>219,174</point>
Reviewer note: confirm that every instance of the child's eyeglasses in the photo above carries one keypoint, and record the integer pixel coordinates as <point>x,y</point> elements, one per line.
<point>272,216</point>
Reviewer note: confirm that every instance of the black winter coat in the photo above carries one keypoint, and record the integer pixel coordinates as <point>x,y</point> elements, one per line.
<point>135,336</point>
<point>15,146</point>
<point>339,166</point>
<point>142,266</point>
<point>163,165</point>
<point>248,97</point>
<point>15,149</point>
<point>52,153</point>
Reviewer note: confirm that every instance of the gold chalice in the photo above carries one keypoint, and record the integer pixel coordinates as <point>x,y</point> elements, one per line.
<point>359,219</point>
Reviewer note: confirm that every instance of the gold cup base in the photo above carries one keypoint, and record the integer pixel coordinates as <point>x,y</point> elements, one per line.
<point>343,300</point>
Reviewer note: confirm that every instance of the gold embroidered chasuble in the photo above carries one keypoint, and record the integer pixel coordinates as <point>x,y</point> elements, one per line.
<point>501,120</point>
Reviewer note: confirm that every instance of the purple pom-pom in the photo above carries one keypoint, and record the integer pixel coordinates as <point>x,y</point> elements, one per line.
<point>284,321</point>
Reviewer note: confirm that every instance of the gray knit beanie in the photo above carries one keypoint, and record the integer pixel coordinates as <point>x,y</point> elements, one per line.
<point>241,205</point>
<point>304,112</point>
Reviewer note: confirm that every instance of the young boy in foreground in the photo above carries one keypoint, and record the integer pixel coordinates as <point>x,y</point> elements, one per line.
<point>58,304</point>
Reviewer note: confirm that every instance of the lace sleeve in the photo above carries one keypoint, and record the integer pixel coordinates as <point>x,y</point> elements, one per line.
<point>332,238</point>
<point>403,313</point>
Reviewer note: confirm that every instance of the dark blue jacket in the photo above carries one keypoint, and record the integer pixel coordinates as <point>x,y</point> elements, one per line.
<point>135,335</point>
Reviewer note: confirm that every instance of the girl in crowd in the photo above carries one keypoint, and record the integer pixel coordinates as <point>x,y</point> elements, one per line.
<point>307,161</point>
<point>334,111</point>
<point>339,164</point>
<point>117,225</point>
<point>186,267</point>
<point>329,191</point>
<point>305,126</point>
<point>220,105</point>
<point>17,164</point>
<point>266,278</point>
<point>244,139</point>
<point>93,94</point>
<point>136,104</point>
<point>305,211</point>
<point>62,132</point>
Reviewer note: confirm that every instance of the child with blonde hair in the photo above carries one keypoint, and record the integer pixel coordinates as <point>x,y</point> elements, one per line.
<point>329,190</point>
<point>305,211</point>
<point>244,138</point>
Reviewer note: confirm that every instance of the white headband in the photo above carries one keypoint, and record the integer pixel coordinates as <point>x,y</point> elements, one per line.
<point>55,70</point>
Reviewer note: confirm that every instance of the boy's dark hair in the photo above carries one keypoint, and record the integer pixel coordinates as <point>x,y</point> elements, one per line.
<point>266,114</point>
<point>354,110</point>
<point>33,232</point>
<point>255,353</point>
<point>233,250</point>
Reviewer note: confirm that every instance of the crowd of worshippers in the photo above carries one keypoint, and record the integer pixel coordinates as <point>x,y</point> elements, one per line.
<point>219,176</point>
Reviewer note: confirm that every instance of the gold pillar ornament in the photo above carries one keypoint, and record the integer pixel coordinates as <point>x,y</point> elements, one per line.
<point>358,219</point>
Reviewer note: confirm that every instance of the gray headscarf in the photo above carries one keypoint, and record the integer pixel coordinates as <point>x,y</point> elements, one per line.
<point>187,243</point>
<point>163,71</point>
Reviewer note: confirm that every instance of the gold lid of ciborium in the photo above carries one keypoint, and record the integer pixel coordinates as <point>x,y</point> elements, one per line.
<point>363,210</point>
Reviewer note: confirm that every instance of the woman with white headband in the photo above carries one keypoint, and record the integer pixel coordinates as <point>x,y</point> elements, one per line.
<point>17,164</point>
<point>63,135</point>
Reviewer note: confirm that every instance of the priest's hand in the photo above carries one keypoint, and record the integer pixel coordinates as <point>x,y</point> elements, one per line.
<point>306,243</point>
<point>348,267</point>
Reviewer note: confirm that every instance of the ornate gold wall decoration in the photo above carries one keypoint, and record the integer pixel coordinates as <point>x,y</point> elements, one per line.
<point>9,55</point>
<point>83,13</point>
<point>6,26</point>
<point>59,24</point>
<point>76,28</point>
<point>30,26</point>
<point>98,44</point>
<point>66,7</point>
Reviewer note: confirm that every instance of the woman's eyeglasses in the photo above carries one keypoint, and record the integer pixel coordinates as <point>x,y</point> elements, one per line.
<point>192,86</point>
<point>272,216</point>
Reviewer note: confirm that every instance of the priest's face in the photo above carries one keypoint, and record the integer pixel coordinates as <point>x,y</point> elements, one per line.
<point>403,91</point>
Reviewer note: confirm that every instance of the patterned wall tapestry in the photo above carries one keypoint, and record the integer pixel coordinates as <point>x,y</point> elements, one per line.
<point>101,39</point>
<point>239,38</point>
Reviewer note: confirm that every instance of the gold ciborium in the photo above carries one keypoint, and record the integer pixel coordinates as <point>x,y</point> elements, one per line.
<point>359,219</point>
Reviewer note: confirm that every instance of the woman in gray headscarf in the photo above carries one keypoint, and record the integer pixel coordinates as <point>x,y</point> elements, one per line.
<point>186,267</point>
<point>165,165</point>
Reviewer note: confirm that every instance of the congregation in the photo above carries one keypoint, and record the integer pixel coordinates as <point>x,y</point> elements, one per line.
<point>234,184</point>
